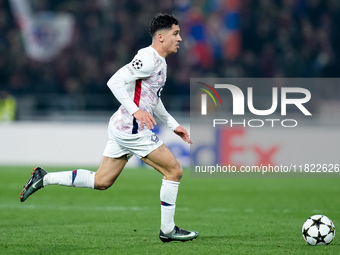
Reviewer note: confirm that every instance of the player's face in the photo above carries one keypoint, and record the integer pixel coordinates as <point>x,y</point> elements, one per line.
<point>172,40</point>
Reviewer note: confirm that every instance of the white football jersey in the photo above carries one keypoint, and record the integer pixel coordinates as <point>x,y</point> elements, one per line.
<point>138,85</point>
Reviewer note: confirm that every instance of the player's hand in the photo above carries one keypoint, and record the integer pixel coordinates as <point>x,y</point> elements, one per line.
<point>182,132</point>
<point>145,118</point>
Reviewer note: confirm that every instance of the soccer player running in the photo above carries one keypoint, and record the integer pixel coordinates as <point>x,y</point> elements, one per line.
<point>137,86</point>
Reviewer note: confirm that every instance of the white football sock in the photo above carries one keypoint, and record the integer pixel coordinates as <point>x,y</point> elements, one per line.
<point>78,178</point>
<point>168,197</point>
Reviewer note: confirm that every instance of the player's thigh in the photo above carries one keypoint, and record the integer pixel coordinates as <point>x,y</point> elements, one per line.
<point>108,171</point>
<point>165,162</point>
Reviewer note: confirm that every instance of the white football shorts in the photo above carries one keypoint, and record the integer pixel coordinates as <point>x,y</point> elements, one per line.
<point>121,143</point>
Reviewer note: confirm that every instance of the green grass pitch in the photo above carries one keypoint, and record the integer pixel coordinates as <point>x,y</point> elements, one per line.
<point>233,216</point>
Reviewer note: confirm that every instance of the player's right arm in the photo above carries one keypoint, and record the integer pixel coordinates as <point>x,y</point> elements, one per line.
<point>167,119</point>
<point>146,118</point>
<point>128,74</point>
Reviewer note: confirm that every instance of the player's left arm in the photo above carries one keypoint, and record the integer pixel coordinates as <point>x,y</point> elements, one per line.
<point>167,119</point>
<point>183,133</point>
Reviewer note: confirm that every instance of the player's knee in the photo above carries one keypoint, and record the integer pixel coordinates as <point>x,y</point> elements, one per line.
<point>179,171</point>
<point>176,172</point>
<point>179,174</point>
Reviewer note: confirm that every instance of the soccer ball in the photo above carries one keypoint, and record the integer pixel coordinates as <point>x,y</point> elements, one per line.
<point>318,230</point>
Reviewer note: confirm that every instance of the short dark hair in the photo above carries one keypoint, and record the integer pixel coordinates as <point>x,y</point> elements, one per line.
<point>162,21</point>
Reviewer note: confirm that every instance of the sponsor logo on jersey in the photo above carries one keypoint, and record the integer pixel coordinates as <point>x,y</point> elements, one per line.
<point>130,70</point>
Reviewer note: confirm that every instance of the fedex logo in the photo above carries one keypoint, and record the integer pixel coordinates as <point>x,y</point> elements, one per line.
<point>229,144</point>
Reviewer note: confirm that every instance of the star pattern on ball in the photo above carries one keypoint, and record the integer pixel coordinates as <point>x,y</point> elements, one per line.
<point>320,238</point>
<point>305,232</point>
<point>317,223</point>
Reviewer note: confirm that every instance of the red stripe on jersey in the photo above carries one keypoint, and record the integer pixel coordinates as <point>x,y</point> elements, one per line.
<point>136,99</point>
<point>138,89</point>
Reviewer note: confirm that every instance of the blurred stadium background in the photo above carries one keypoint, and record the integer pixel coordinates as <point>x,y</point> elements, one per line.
<point>221,38</point>
<point>56,57</point>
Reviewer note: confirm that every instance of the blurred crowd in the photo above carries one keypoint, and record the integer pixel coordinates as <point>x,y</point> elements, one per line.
<point>269,38</point>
